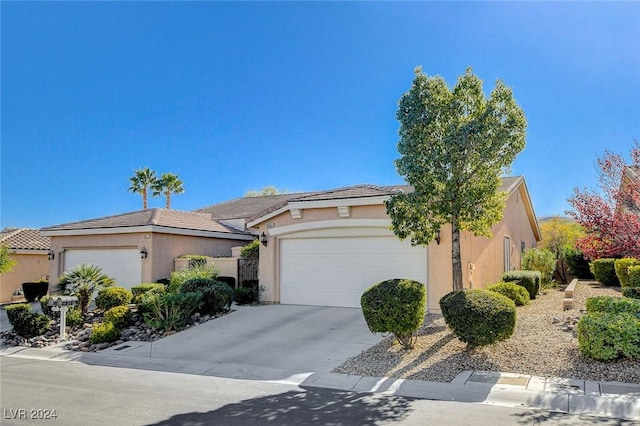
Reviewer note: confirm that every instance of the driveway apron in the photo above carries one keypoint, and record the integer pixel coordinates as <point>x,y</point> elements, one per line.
<point>287,337</point>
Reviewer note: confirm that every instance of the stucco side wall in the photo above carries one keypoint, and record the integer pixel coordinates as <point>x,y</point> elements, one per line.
<point>166,247</point>
<point>29,267</point>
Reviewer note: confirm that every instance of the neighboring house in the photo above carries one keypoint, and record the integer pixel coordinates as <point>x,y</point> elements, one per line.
<point>29,248</point>
<point>140,246</point>
<point>326,248</point>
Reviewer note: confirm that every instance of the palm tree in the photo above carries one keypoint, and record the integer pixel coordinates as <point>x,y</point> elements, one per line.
<point>83,281</point>
<point>141,181</point>
<point>168,184</point>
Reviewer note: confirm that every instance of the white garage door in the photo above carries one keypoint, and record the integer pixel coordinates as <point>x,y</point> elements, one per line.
<point>124,265</point>
<point>336,271</point>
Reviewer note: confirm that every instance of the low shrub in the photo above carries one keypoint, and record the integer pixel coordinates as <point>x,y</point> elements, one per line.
<point>621,266</point>
<point>395,306</point>
<point>605,271</point>
<point>110,297</point>
<point>209,272</point>
<point>607,336</point>
<point>633,287</point>
<point>120,316</point>
<point>479,317</point>
<point>104,332</point>
<point>35,290</point>
<point>244,296</point>
<point>75,318</point>
<point>251,250</point>
<point>46,309</point>
<point>169,311</point>
<point>26,323</point>
<point>613,305</point>
<point>513,291</point>
<point>140,289</point>
<point>527,279</point>
<point>216,296</point>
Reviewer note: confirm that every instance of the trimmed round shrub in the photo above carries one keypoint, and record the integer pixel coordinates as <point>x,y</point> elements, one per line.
<point>633,287</point>
<point>110,297</point>
<point>395,306</point>
<point>607,336</point>
<point>140,289</point>
<point>120,316</point>
<point>613,305</point>
<point>216,296</point>
<point>26,323</point>
<point>605,271</point>
<point>513,291</point>
<point>75,318</point>
<point>621,266</point>
<point>578,264</point>
<point>527,279</point>
<point>104,332</point>
<point>244,295</point>
<point>479,317</point>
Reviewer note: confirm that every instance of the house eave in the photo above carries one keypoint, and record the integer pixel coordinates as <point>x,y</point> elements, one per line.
<point>148,229</point>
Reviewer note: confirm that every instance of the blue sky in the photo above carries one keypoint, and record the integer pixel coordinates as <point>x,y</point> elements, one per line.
<point>302,96</point>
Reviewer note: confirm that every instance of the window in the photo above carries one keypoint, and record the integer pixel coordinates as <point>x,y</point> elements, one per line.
<point>523,246</point>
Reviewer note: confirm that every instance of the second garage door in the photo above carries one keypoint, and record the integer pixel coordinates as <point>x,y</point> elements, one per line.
<point>124,265</point>
<point>336,271</point>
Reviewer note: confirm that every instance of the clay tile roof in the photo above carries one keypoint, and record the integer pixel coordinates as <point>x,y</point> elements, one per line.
<point>24,239</point>
<point>159,217</point>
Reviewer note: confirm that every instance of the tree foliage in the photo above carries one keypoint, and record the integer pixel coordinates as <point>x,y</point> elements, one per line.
<point>167,185</point>
<point>610,214</point>
<point>83,281</point>
<point>142,180</point>
<point>7,263</point>
<point>560,235</point>
<point>454,146</point>
<point>267,190</point>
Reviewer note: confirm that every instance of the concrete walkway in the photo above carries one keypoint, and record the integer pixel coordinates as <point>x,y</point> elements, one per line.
<point>305,343</point>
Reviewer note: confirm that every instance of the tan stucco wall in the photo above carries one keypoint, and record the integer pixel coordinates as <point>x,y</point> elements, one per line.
<point>486,254</point>
<point>29,267</point>
<point>162,250</point>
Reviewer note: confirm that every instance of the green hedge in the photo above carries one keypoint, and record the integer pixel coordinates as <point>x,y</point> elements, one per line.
<point>479,317</point>
<point>607,336</point>
<point>633,287</point>
<point>26,323</point>
<point>528,279</point>
<point>120,316</point>
<point>621,266</point>
<point>513,291</point>
<point>613,305</point>
<point>110,297</point>
<point>605,271</point>
<point>395,306</point>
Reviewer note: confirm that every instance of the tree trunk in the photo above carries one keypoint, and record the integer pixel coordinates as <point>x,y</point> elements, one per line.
<point>168,203</point>
<point>144,200</point>
<point>456,258</point>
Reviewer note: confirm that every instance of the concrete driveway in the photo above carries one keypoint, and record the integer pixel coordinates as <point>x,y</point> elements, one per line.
<point>271,341</point>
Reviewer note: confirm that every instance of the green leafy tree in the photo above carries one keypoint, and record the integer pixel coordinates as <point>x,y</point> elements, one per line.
<point>454,146</point>
<point>141,182</point>
<point>560,236</point>
<point>168,184</point>
<point>83,281</point>
<point>267,190</point>
<point>7,263</point>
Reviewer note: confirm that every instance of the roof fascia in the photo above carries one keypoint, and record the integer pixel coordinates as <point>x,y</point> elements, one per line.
<point>148,228</point>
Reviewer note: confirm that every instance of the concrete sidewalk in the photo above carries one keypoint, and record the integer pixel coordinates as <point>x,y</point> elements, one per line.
<point>607,399</point>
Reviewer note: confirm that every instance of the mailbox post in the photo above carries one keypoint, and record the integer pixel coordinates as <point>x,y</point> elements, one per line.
<point>62,304</point>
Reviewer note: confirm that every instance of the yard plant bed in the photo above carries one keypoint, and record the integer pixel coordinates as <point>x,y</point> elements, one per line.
<point>542,345</point>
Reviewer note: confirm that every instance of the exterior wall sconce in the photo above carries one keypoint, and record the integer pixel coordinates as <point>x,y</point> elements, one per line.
<point>50,254</point>
<point>438,237</point>
<point>263,239</point>
<point>143,253</point>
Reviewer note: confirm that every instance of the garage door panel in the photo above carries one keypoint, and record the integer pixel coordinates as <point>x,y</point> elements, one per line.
<point>124,265</point>
<point>336,271</point>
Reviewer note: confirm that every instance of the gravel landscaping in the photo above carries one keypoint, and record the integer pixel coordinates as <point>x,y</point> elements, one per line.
<point>544,344</point>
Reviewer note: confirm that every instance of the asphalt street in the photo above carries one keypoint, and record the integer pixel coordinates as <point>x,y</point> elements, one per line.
<point>52,392</point>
